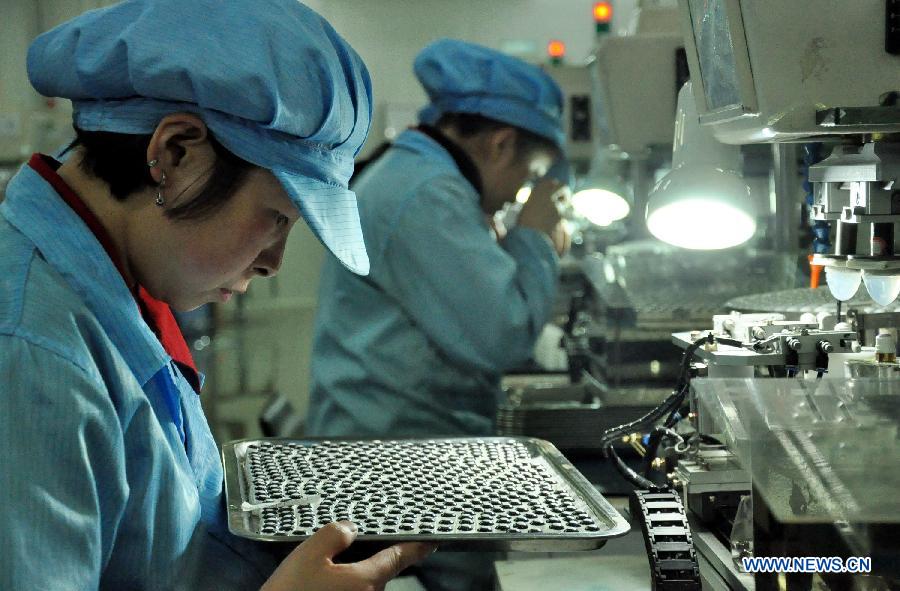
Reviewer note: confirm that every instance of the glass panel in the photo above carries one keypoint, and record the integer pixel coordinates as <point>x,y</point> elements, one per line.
<point>833,441</point>
<point>715,50</point>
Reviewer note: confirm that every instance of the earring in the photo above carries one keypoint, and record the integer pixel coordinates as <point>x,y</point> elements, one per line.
<point>160,201</point>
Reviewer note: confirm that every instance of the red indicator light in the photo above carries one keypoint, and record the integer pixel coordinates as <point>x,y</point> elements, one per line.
<point>556,49</point>
<point>602,12</point>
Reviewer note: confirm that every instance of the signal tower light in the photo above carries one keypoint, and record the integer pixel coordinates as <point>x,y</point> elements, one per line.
<point>603,12</point>
<point>556,49</point>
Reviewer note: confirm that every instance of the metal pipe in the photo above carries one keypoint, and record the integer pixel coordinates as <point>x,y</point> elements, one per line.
<point>787,193</point>
<point>641,180</point>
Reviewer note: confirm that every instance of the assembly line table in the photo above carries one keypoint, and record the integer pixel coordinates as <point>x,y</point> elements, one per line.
<point>621,565</point>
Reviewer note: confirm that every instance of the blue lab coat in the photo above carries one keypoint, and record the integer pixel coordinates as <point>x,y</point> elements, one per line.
<point>110,475</point>
<point>418,347</point>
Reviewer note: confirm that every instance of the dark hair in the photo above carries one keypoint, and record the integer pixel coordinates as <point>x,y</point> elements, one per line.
<point>469,124</point>
<point>119,159</point>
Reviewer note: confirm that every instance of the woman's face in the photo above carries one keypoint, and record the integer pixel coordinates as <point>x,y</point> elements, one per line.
<point>188,263</point>
<point>505,168</point>
<point>501,184</point>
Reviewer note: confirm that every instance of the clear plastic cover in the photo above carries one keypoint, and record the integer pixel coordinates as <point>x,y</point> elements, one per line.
<point>657,279</point>
<point>817,450</point>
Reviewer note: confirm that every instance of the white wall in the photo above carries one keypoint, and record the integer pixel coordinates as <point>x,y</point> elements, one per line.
<point>389,33</point>
<point>17,99</point>
<point>28,122</point>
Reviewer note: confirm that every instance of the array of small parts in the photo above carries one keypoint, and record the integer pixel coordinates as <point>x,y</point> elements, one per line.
<point>431,488</point>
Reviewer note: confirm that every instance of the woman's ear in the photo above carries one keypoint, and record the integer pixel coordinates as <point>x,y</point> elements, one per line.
<point>501,146</point>
<point>180,143</point>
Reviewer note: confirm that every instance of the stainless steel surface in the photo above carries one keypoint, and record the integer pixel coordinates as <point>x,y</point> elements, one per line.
<point>698,476</point>
<point>474,493</point>
<point>620,566</point>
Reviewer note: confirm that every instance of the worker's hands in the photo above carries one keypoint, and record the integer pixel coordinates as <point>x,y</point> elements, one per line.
<point>310,566</point>
<point>496,226</point>
<point>541,213</point>
<point>561,238</point>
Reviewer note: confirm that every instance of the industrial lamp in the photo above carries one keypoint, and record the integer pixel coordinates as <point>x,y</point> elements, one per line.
<point>600,206</point>
<point>602,197</point>
<point>702,203</point>
<point>599,198</point>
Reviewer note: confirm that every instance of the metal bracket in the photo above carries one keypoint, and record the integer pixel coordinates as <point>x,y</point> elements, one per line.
<point>838,117</point>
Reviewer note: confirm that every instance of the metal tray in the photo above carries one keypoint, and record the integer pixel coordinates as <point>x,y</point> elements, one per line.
<point>486,493</point>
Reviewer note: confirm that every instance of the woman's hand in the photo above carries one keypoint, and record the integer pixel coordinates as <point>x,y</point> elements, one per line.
<point>310,567</point>
<point>541,213</point>
<point>561,238</point>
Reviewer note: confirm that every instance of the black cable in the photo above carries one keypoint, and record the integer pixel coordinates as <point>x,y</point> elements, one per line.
<point>655,440</point>
<point>656,436</point>
<point>652,416</point>
<point>674,399</point>
<point>684,378</point>
<point>627,473</point>
<point>709,439</point>
<point>669,406</point>
<point>673,416</point>
<point>683,375</point>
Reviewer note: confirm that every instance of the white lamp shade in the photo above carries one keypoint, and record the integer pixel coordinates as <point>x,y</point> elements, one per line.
<point>703,209</point>
<point>600,206</point>
<point>702,203</point>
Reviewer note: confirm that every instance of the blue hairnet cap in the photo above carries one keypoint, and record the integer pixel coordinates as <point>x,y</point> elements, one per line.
<point>561,170</point>
<point>462,77</point>
<point>272,80</point>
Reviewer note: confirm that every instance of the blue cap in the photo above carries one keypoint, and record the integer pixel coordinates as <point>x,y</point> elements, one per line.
<point>561,170</point>
<point>462,77</point>
<point>273,81</point>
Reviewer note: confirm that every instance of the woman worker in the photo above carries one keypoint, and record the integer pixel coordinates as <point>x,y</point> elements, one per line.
<point>204,130</point>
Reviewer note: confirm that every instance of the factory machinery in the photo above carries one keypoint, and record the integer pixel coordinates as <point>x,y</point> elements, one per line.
<point>781,436</point>
<point>791,445</point>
